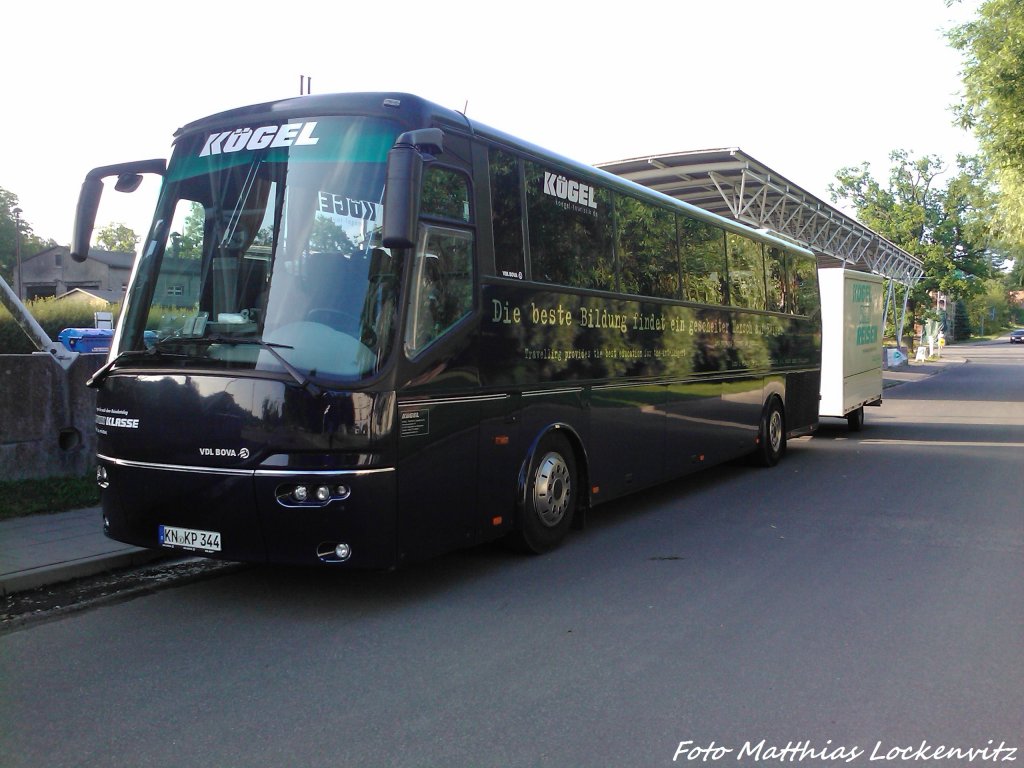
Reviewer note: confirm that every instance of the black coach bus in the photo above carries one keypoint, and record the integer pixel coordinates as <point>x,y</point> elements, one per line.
<point>365,329</point>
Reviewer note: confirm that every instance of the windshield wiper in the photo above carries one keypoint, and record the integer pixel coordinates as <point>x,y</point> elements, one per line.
<point>303,381</point>
<point>156,351</point>
<point>102,373</point>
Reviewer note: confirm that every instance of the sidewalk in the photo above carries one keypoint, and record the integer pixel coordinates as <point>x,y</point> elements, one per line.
<point>914,371</point>
<point>911,372</point>
<point>40,550</point>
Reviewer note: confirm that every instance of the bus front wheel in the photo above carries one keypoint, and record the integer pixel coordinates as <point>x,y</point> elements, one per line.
<point>551,496</point>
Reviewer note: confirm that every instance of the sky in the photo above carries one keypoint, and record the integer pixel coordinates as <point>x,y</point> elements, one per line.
<point>806,87</point>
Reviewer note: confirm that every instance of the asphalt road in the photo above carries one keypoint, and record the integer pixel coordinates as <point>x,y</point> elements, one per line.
<point>862,603</point>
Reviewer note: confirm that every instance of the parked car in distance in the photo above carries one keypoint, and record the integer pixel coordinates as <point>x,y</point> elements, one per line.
<point>1017,336</point>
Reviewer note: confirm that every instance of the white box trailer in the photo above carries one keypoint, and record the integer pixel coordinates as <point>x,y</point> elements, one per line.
<point>851,343</point>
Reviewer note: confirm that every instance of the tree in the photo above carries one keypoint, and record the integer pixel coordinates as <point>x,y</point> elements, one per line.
<point>9,227</point>
<point>328,236</point>
<point>993,49</point>
<point>1014,279</point>
<point>947,226</point>
<point>989,310</point>
<point>117,237</point>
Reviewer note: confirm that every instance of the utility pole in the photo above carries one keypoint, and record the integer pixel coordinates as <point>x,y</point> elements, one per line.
<point>17,251</point>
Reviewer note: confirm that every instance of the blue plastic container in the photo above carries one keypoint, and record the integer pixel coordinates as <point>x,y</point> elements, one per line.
<point>86,339</point>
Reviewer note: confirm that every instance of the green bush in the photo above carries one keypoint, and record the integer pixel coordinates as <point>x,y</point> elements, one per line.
<point>55,494</point>
<point>54,316</point>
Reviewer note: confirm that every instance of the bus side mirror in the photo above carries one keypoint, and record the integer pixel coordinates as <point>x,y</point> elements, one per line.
<point>128,182</point>
<point>402,188</point>
<point>129,176</point>
<point>85,217</point>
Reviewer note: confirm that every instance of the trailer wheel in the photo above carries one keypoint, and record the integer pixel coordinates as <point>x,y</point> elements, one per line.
<point>551,496</point>
<point>771,442</point>
<point>855,420</point>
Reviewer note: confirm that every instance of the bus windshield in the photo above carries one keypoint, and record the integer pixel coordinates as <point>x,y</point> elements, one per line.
<point>265,252</point>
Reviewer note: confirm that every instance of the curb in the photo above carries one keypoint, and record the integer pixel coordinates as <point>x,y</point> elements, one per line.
<point>892,377</point>
<point>47,575</point>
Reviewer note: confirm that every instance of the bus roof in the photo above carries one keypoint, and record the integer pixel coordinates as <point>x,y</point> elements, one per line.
<point>415,112</point>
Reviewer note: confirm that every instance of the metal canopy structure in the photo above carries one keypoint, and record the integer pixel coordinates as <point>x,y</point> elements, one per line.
<point>734,185</point>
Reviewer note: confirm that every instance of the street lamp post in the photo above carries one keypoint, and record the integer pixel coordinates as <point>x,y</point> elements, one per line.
<point>17,250</point>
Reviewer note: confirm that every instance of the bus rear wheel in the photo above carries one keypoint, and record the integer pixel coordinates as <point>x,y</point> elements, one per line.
<point>551,496</point>
<point>771,439</point>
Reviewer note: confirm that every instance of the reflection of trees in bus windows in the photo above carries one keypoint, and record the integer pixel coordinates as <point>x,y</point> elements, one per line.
<point>746,273</point>
<point>776,298</point>
<point>326,235</point>
<point>506,215</point>
<point>702,252</point>
<point>445,194</point>
<point>570,244</point>
<point>442,291</point>
<point>802,271</point>
<point>648,263</point>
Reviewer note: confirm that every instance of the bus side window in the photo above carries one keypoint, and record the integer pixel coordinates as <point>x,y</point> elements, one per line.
<point>776,279</point>
<point>647,248</point>
<point>442,292</point>
<point>570,223</point>
<point>445,194</point>
<point>746,272</point>
<point>702,248</point>
<point>506,215</point>
<point>802,278</point>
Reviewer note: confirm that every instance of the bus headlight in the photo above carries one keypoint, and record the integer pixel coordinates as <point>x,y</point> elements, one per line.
<point>301,495</point>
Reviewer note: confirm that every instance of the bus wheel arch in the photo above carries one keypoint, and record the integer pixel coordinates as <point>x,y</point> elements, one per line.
<point>551,497</point>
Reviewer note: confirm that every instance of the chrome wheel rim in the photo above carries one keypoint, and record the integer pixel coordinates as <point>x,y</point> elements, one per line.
<point>552,489</point>
<point>775,431</point>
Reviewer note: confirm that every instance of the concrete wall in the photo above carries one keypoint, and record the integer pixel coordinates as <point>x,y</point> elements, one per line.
<point>47,417</point>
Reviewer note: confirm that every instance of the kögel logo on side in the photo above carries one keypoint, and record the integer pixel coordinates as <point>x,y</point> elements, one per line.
<point>569,189</point>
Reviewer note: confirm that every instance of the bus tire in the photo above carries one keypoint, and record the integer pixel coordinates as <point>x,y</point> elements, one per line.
<point>771,439</point>
<point>551,496</point>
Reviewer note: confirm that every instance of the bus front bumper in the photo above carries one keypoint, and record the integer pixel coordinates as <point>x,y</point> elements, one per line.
<point>342,518</point>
